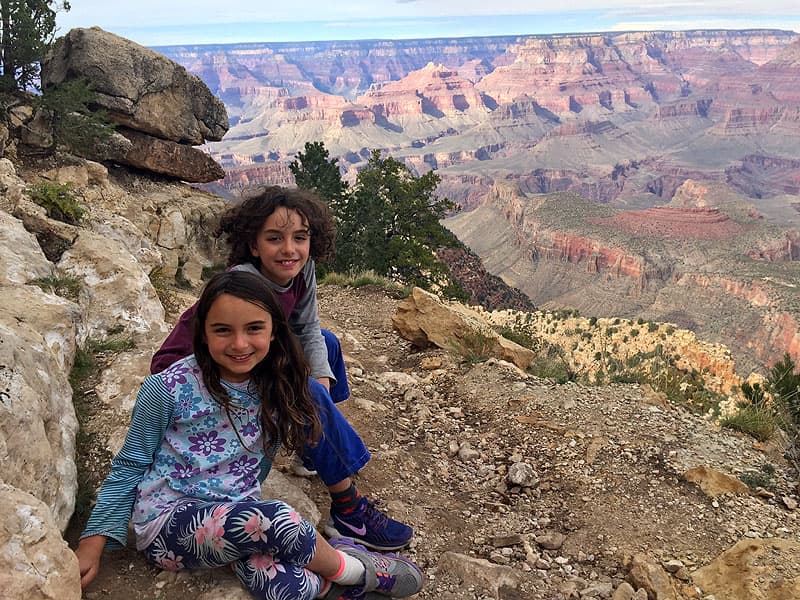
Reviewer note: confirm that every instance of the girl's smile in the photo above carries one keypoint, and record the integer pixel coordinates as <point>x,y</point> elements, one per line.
<point>282,245</point>
<point>238,334</point>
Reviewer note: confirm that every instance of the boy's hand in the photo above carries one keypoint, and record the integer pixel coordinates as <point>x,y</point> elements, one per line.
<point>326,382</point>
<point>88,553</point>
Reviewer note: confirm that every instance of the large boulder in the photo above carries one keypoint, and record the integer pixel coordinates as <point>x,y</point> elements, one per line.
<point>753,569</point>
<point>165,157</point>
<point>35,562</point>
<point>26,261</point>
<point>117,294</point>
<point>138,87</point>
<point>424,320</point>
<point>37,418</point>
<point>169,158</point>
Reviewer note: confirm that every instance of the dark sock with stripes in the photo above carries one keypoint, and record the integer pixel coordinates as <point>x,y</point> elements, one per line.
<point>347,501</point>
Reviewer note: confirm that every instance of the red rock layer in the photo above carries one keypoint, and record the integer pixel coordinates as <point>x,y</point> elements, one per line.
<point>596,256</point>
<point>666,222</point>
<point>433,89</point>
<point>565,74</point>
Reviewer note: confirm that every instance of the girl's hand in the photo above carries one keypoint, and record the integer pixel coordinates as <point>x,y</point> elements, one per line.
<point>88,553</point>
<point>326,382</point>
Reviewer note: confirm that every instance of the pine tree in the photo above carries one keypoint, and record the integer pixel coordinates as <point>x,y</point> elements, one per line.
<point>313,170</point>
<point>387,222</point>
<point>28,28</point>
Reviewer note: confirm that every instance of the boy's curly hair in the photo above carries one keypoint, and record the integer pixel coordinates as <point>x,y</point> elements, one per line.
<point>241,223</point>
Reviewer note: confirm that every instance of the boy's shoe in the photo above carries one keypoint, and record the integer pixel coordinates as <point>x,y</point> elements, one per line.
<point>299,469</point>
<point>370,527</point>
<point>386,574</point>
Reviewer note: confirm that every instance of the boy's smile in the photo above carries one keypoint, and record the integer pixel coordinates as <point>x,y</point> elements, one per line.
<point>282,245</point>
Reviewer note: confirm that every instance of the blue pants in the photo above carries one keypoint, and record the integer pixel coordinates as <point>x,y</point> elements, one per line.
<point>340,452</point>
<point>267,543</point>
<point>339,390</point>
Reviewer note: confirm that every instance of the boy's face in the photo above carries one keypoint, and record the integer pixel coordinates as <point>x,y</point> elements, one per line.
<point>282,245</point>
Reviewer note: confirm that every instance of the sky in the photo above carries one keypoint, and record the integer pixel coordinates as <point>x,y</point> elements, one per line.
<point>180,22</point>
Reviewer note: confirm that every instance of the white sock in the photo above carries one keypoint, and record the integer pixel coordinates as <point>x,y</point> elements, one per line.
<point>351,570</point>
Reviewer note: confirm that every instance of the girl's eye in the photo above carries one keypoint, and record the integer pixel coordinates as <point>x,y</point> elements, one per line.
<point>220,330</point>
<point>301,238</point>
<point>255,328</point>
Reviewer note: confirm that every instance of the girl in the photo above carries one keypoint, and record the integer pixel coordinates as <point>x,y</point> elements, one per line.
<point>277,233</point>
<point>202,436</point>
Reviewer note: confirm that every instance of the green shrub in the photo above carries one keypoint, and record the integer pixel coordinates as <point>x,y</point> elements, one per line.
<point>474,347</point>
<point>784,384</point>
<point>651,327</point>
<point>550,363</point>
<point>76,122</point>
<point>58,200</point>
<point>755,421</point>
<point>364,279</point>
<point>764,477</point>
<point>519,336</point>
<point>62,285</point>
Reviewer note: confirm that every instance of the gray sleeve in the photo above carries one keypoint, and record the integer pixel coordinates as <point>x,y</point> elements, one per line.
<point>304,321</point>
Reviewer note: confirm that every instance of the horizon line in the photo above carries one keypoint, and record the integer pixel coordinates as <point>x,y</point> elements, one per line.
<point>614,32</point>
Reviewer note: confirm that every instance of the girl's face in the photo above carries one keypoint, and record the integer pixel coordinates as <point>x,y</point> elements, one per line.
<point>282,245</point>
<point>238,334</point>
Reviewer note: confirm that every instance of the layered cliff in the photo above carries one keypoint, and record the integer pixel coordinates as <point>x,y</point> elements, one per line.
<point>711,265</point>
<point>499,105</point>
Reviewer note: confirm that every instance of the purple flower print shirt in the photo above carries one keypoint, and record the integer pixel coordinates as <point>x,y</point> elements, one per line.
<point>201,455</point>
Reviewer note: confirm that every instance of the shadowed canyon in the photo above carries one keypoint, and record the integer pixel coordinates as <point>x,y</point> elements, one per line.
<point>639,174</point>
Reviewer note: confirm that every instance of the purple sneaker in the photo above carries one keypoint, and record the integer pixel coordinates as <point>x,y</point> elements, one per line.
<point>386,574</point>
<point>368,526</point>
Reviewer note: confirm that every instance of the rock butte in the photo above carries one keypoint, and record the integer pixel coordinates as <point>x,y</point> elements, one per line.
<point>668,222</point>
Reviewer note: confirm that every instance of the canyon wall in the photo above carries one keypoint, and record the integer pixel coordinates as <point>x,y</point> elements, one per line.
<point>693,266</point>
<point>542,107</point>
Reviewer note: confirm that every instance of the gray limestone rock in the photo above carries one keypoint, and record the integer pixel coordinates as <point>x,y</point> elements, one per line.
<point>35,562</point>
<point>138,87</point>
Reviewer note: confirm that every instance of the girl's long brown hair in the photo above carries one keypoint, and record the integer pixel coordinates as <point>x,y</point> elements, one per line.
<point>280,380</point>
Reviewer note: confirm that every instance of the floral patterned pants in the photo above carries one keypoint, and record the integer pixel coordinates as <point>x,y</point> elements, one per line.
<point>267,543</point>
